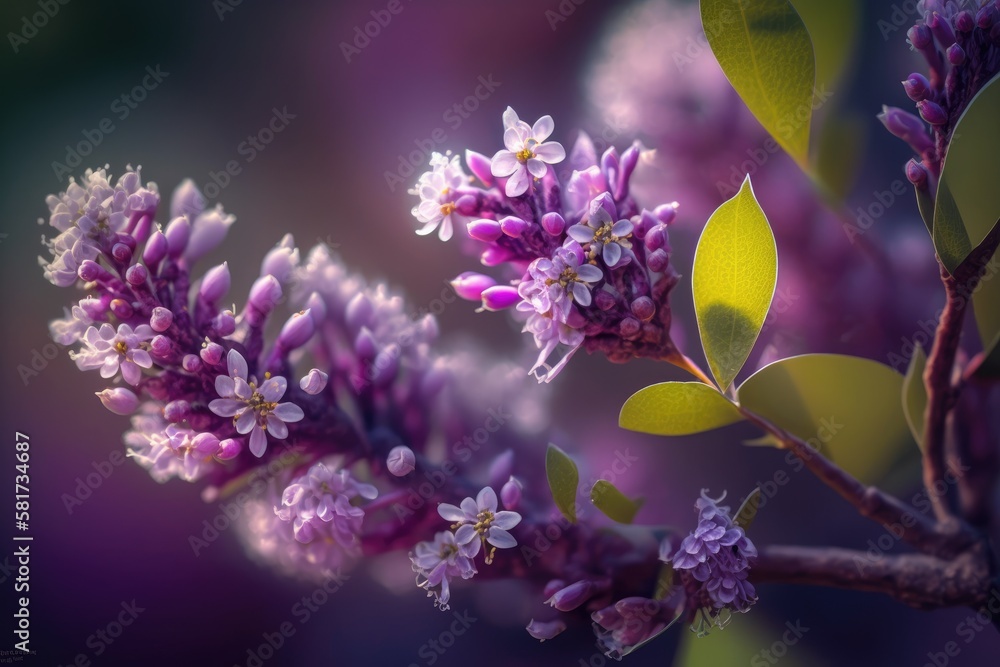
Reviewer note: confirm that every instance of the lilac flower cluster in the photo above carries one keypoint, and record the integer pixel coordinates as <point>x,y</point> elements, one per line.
<point>590,268</point>
<point>713,562</point>
<point>960,40</point>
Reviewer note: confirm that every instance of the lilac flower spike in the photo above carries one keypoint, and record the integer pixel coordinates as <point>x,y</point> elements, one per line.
<point>480,519</point>
<point>255,410</point>
<point>526,152</point>
<point>110,350</point>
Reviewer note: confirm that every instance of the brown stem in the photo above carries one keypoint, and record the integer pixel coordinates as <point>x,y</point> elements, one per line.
<point>918,580</point>
<point>895,515</point>
<point>677,358</point>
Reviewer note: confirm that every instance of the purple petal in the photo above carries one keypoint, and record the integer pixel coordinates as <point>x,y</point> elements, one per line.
<point>537,168</point>
<point>246,421</point>
<point>237,365</point>
<point>465,534</point>
<point>506,520</point>
<point>226,407</point>
<point>471,550</point>
<point>225,387</point>
<point>449,512</point>
<point>621,228</point>
<point>487,500</point>
<point>109,367</point>
<point>551,152</point>
<point>470,509</point>
<point>581,294</point>
<point>131,373</point>
<point>242,389</point>
<point>581,233</point>
<point>141,358</point>
<point>288,412</point>
<point>612,254</point>
<point>504,163</point>
<point>589,273</point>
<point>277,428</point>
<point>543,128</point>
<point>258,442</point>
<point>518,183</point>
<point>500,538</point>
<point>273,389</point>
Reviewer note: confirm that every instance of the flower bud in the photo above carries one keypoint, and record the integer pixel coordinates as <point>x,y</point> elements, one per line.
<point>917,87</point>
<point>932,112</point>
<point>121,308</point>
<point>297,331</point>
<point>470,285</point>
<point>656,238</point>
<point>401,461</point>
<point>542,630</point>
<point>485,230</point>
<point>956,55</point>
<point>161,319</point>
<point>964,21</point>
<point>510,493</point>
<point>314,381</point>
<point>136,275</point>
<point>604,299</point>
<point>155,251</point>
<point>658,260</point>
<point>281,260</point>
<point>215,284</point>
<point>161,346</point>
<point>552,587</point>
<point>228,449</point>
<point>573,596</point>
<point>920,36</point>
<point>90,270</point>
<point>495,255</point>
<point>119,400</point>
<point>467,205</point>
<point>643,308</point>
<point>264,296</point>
<point>191,363</point>
<point>364,344</point>
<point>917,174</point>
<point>629,328</point>
<point>224,323</point>
<point>176,411</point>
<point>187,200</point>
<point>941,29</point>
<point>122,253</point>
<point>207,232</point>
<point>553,223</point>
<point>629,160</point>
<point>666,213</point>
<point>500,297</point>
<point>178,232</point>
<point>987,16</point>
<point>479,165</point>
<point>359,311</point>
<point>513,226</point>
<point>317,308</point>
<point>211,353</point>
<point>206,444</point>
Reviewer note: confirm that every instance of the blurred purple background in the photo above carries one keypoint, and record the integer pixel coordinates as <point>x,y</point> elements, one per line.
<point>324,178</point>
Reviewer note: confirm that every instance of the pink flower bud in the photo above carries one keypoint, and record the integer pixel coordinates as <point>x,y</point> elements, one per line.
<point>297,331</point>
<point>500,297</point>
<point>553,223</point>
<point>177,232</point>
<point>470,285</point>
<point>161,319</point>
<point>510,493</point>
<point>215,284</point>
<point>314,381</point>
<point>479,165</point>
<point>119,400</point>
<point>401,461</point>
<point>485,230</point>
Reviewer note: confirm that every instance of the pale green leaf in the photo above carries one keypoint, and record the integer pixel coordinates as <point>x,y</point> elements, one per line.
<point>968,199</point>
<point>748,509</point>
<point>677,408</point>
<point>765,51</point>
<point>915,394</point>
<point>833,28</point>
<point>615,504</point>
<point>847,407</point>
<point>733,279</point>
<point>925,205</point>
<point>564,478</point>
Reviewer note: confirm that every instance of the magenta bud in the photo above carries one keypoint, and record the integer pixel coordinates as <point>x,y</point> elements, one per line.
<point>629,160</point>
<point>964,21</point>
<point>917,87</point>
<point>121,253</point>
<point>642,223</point>
<point>956,55</point>
<point>215,284</point>
<point>386,365</point>
<point>467,205</point>
<point>629,327</point>
<point>658,260</point>
<point>932,112</point>
<point>297,330</point>
<point>121,308</point>
<point>136,275</point>
<point>160,345</point>
<point>553,223</point>
<point>609,163</point>
<point>228,449</point>
<point>127,239</point>
<point>317,307</point>
<point>604,201</point>
<point>177,232</point>
<point>941,29</point>
<point>401,461</point>
<point>986,16</point>
<point>553,587</point>
<point>479,165</point>
<point>90,270</point>
<point>510,493</point>
<point>156,250</point>
<point>364,344</point>
<point>485,230</point>
<point>604,299</point>
<point>187,200</point>
<point>314,381</point>
<point>656,238</point>
<point>161,319</point>
<point>359,311</point>
<point>176,411</point>
<point>119,400</point>
<point>542,630</point>
<point>573,596</point>
<point>211,353</point>
<point>470,285</point>
<point>265,294</point>
<point>512,226</point>
<point>920,36</point>
<point>205,444</point>
<point>666,213</point>
<point>207,231</point>
<point>500,297</point>
<point>643,308</point>
<point>495,255</point>
<point>224,323</point>
<point>281,260</point>
<point>191,363</point>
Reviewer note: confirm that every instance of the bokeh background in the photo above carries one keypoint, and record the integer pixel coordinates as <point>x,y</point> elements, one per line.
<point>227,66</point>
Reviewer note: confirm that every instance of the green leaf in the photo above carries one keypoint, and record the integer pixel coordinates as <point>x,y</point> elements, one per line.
<point>847,406</point>
<point>841,147</point>
<point>766,440</point>
<point>915,394</point>
<point>765,51</point>
<point>615,504</point>
<point>564,478</point>
<point>664,582</point>
<point>986,305</point>
<point>925,204</point>
<point>748,509</point>
<point>677,408</point>
<point>833,28</point>
<point>968,200</point>
<point>733,279</point>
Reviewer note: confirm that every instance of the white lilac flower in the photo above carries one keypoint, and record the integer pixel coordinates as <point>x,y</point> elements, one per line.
<point>167,450</point>
<point>72,329</point>
<point>606,237</point>
<point>110,350</point>
<point>437,562</point>
<point>255,410</point>
<point>319,507</point>
<point>437,190</point>
<point>526,152</point>
<point>479,522</point>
